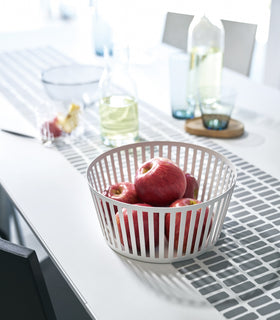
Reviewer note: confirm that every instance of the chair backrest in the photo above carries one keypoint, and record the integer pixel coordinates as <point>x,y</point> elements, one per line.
<point>239,45</point>
<point>24,293</point>
<point>176,30</point>
<point>239,39</point>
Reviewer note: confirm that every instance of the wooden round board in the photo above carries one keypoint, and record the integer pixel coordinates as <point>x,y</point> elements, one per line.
<point>195,126</point>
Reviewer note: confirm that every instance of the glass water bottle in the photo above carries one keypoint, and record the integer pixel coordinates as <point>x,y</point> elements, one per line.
<point>206,49</point>
<point>118,105</point>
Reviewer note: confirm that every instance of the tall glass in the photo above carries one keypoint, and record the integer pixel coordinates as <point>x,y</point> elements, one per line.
<point>178,77</point>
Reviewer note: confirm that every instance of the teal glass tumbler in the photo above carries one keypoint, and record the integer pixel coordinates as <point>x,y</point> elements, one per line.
<point>181,105</point>
<point>216,106</point>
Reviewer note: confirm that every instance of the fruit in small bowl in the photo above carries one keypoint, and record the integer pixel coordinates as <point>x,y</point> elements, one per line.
<point>159,182</point>
<point>186,202</point>
<point>145,220</point>
<point>60,125</point>
<point>51,129</point>
<point>70,121</point>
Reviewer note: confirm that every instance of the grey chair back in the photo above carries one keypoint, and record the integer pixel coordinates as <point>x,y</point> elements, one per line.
<point>176,30</point>
<point>239,39</point>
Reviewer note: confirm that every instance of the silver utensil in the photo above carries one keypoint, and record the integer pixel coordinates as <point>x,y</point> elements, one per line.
<point>19,134</point>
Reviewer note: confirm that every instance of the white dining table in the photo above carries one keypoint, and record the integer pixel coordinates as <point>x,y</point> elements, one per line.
<point>54,199</point>
<point>257,107</point>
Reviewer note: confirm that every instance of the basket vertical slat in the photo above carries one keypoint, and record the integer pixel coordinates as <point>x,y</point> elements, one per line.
<point>151,235</point>
<point>199,233</point>
<point>107,171</point>
<point>218,217</point>
<point>178,155</point>
<point>169,154</point>
<point>183,218</point>
<point>112,166</point>
<point>171,236</point>
<point>218,185</point>
<point>103,179</point>
<point>161,248</point>
<point>115,229</point>
<point>103,218</point>
<point>206,177</point>
<point>101,222</point>
<point>208,224</point>
<point>213,173</point>
<point>120,165</point>
<point>226,205</point>
<point>193,162</point>
<point>141,232</point>
<point>160,150</point>
<point>152,152</point>
<point>127,161</point>
<point>135,158</point>
<point>185,168</point>
<point>223,176</point>
<point>97,180</point>
<point>213,222</point>
<point>190,232</point>
<point>200,167</point>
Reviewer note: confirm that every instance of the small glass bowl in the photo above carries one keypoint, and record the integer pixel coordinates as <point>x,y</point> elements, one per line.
<point>72,83</point>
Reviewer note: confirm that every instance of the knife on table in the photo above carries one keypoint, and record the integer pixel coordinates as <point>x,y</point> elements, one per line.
<point>23,135</point>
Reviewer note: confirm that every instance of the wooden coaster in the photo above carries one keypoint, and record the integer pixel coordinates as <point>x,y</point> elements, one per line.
<point>195,126</point>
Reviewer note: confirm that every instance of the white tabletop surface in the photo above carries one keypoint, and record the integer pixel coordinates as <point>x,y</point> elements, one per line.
<point>55,201</point>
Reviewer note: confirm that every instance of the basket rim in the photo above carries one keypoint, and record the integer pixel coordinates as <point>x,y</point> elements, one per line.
<point>163,142</point>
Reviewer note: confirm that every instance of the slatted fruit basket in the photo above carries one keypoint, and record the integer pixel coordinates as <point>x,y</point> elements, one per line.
<point>162,234</point>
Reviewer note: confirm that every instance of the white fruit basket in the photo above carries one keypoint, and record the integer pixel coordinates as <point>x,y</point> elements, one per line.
<point>145,234</point>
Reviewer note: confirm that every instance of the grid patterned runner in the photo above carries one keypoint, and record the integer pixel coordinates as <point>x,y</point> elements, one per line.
<point>241,275</point>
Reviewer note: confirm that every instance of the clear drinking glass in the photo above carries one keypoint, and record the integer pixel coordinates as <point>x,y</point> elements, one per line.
<point>178,77</point>
<point>216,105</point>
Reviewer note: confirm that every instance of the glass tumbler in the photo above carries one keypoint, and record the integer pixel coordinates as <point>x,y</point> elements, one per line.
<point>216,105</point>
<point>178,78</point>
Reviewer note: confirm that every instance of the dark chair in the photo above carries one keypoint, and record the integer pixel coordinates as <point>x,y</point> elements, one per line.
<point>34,291</point>
<point>8,215</point>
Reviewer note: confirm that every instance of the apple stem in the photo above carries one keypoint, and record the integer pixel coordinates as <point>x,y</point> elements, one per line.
<point>146,169</point>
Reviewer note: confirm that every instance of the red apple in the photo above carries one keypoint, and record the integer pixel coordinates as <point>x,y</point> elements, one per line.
<point>182,203</point>
<point>121,191</point>
<point>136,228</point>
<point>192,187</point>
<point>50,129</point>
<point>159,182</point>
